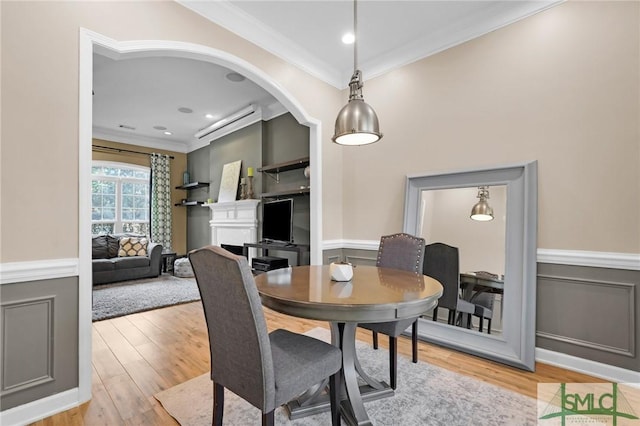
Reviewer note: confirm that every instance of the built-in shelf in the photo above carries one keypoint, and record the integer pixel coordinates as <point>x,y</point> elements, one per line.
<point>300,163</point>
<point>190,203</point>
<point>193,185</point>
<point>274,194</point>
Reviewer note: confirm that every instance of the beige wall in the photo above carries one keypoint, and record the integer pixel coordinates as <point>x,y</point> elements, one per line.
<point>40,110</point>
<point>178,166</point>
<point>560,87</point>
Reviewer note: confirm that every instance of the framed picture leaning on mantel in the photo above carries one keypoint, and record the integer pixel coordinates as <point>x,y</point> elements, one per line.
<point>229,182</point>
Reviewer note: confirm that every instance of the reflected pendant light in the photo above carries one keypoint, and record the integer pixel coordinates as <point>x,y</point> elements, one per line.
<point>481,211</point>
<point>357,122</point>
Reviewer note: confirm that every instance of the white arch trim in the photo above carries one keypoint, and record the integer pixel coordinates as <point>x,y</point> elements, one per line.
<point>90,41</point>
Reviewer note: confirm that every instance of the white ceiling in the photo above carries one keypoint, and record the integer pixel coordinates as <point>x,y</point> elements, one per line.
<point>147,92</point>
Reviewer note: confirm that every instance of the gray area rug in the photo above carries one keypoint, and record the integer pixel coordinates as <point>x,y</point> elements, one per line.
<point>426,395</point>
<point>128,297</point>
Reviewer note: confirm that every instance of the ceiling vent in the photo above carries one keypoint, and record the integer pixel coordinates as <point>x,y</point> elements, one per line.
<point>245,112</point>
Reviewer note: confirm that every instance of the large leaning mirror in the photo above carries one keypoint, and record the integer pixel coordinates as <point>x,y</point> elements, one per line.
<point>486,221</point>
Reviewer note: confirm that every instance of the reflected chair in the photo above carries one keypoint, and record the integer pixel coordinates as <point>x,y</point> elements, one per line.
<point>484,308</point>
<point>442,262</point>
<point>265,369</point>
<point>406,252</point>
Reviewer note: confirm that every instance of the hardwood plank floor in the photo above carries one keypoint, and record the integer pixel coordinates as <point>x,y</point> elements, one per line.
<point>138,355</point>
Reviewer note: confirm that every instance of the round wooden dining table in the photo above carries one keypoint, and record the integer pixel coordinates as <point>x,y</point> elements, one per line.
<point>373,295</point>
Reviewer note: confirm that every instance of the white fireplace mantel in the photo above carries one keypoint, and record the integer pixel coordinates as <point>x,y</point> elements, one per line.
<point>234,222</point>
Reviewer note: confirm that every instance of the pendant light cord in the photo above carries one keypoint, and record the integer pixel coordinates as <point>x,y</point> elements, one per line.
<point>355,35</point>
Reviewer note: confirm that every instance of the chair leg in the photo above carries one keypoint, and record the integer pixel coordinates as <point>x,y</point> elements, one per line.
<point>375,339</point>
<point>481,323</point>
<point>489,326</point>
<point>469,321</point>
<point>218,404</point>
<point>435,313</point>
<point>414,341</point>
<point>334,395</point>
<point>393,361</point>
<point>267,418</point>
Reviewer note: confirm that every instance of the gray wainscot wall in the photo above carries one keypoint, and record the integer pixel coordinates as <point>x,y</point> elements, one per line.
<point>583,311</point>
<point>39,339</point>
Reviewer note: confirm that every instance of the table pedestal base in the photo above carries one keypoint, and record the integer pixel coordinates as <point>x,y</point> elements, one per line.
<point>353,394</point>
<point>321,404</point>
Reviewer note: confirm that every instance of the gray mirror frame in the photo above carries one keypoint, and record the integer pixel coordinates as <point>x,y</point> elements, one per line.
<point>516,346</point>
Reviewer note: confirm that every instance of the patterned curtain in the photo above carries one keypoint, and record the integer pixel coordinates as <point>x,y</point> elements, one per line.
<point>161,200</point>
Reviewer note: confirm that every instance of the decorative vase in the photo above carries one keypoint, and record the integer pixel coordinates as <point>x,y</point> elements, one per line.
<point>341,271</point>
<point>185,178</point>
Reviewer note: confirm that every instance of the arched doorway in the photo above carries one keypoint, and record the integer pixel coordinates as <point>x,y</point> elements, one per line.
<point>90,42</point>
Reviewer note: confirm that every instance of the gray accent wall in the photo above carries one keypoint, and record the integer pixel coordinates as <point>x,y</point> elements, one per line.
<point>278,140</point>
<point>587,312</point>
<point>39,340</point>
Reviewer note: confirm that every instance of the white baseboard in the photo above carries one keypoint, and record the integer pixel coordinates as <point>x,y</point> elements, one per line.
<point>585,366</point>
<point>40,409</point>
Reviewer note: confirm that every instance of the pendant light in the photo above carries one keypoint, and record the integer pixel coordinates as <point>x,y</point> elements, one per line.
<point>357,122</point>
<point>481,211</point>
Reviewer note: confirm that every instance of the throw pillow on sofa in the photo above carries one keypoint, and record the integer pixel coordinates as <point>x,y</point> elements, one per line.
<point>113,243</point>
<point>99,247</point>
<point>133,246</point>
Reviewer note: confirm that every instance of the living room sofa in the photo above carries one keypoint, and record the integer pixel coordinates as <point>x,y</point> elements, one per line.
<point>112,261</point>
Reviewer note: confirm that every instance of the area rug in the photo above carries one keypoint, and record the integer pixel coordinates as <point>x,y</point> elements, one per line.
<point>426,395</point>
<point>128,297</point>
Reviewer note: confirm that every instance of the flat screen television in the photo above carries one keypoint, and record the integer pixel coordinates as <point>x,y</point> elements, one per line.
<point>277,221</point>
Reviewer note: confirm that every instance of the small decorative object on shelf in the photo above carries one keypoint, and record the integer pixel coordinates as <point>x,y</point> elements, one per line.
<point>250,185</point>
<point>243,189</point>
<point>185,177</point>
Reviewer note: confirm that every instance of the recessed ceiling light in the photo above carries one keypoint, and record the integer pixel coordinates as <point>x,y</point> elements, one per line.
<point>185,110</point>
<point>348,38</point>
<point>209,116</point>
<point>235,77</point>
<point>168,133</point>
<point>159,127</point>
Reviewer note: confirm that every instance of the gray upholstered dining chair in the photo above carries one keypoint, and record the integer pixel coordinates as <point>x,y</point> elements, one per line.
<point>406,252</point>
<point>265,369</point>
<point>442,262</point>
<point>484,309</point>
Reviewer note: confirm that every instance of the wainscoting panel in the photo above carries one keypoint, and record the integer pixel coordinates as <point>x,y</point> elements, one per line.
<point>590,313</point>
<point>27,333</point>
<point>39,337</point>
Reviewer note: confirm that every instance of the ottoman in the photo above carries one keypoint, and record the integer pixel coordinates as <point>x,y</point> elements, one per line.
<point>182,268</point>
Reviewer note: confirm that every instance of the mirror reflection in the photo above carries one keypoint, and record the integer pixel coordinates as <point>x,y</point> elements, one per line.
<point>465,232</point>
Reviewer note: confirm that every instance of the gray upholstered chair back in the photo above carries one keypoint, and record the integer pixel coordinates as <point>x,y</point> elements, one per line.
<point>401,251</point>
<point>241,359</point>
<point>441,262</point>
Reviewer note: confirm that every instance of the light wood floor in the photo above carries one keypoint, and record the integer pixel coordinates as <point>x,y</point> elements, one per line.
<point>136,356</point>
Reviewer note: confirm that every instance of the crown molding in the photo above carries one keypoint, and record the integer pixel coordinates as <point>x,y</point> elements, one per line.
<point>131,139</point>
<point>234,19</point>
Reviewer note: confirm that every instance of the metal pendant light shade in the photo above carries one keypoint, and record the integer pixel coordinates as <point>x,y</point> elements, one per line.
<point>481,211</point>
<point>357,123</point>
